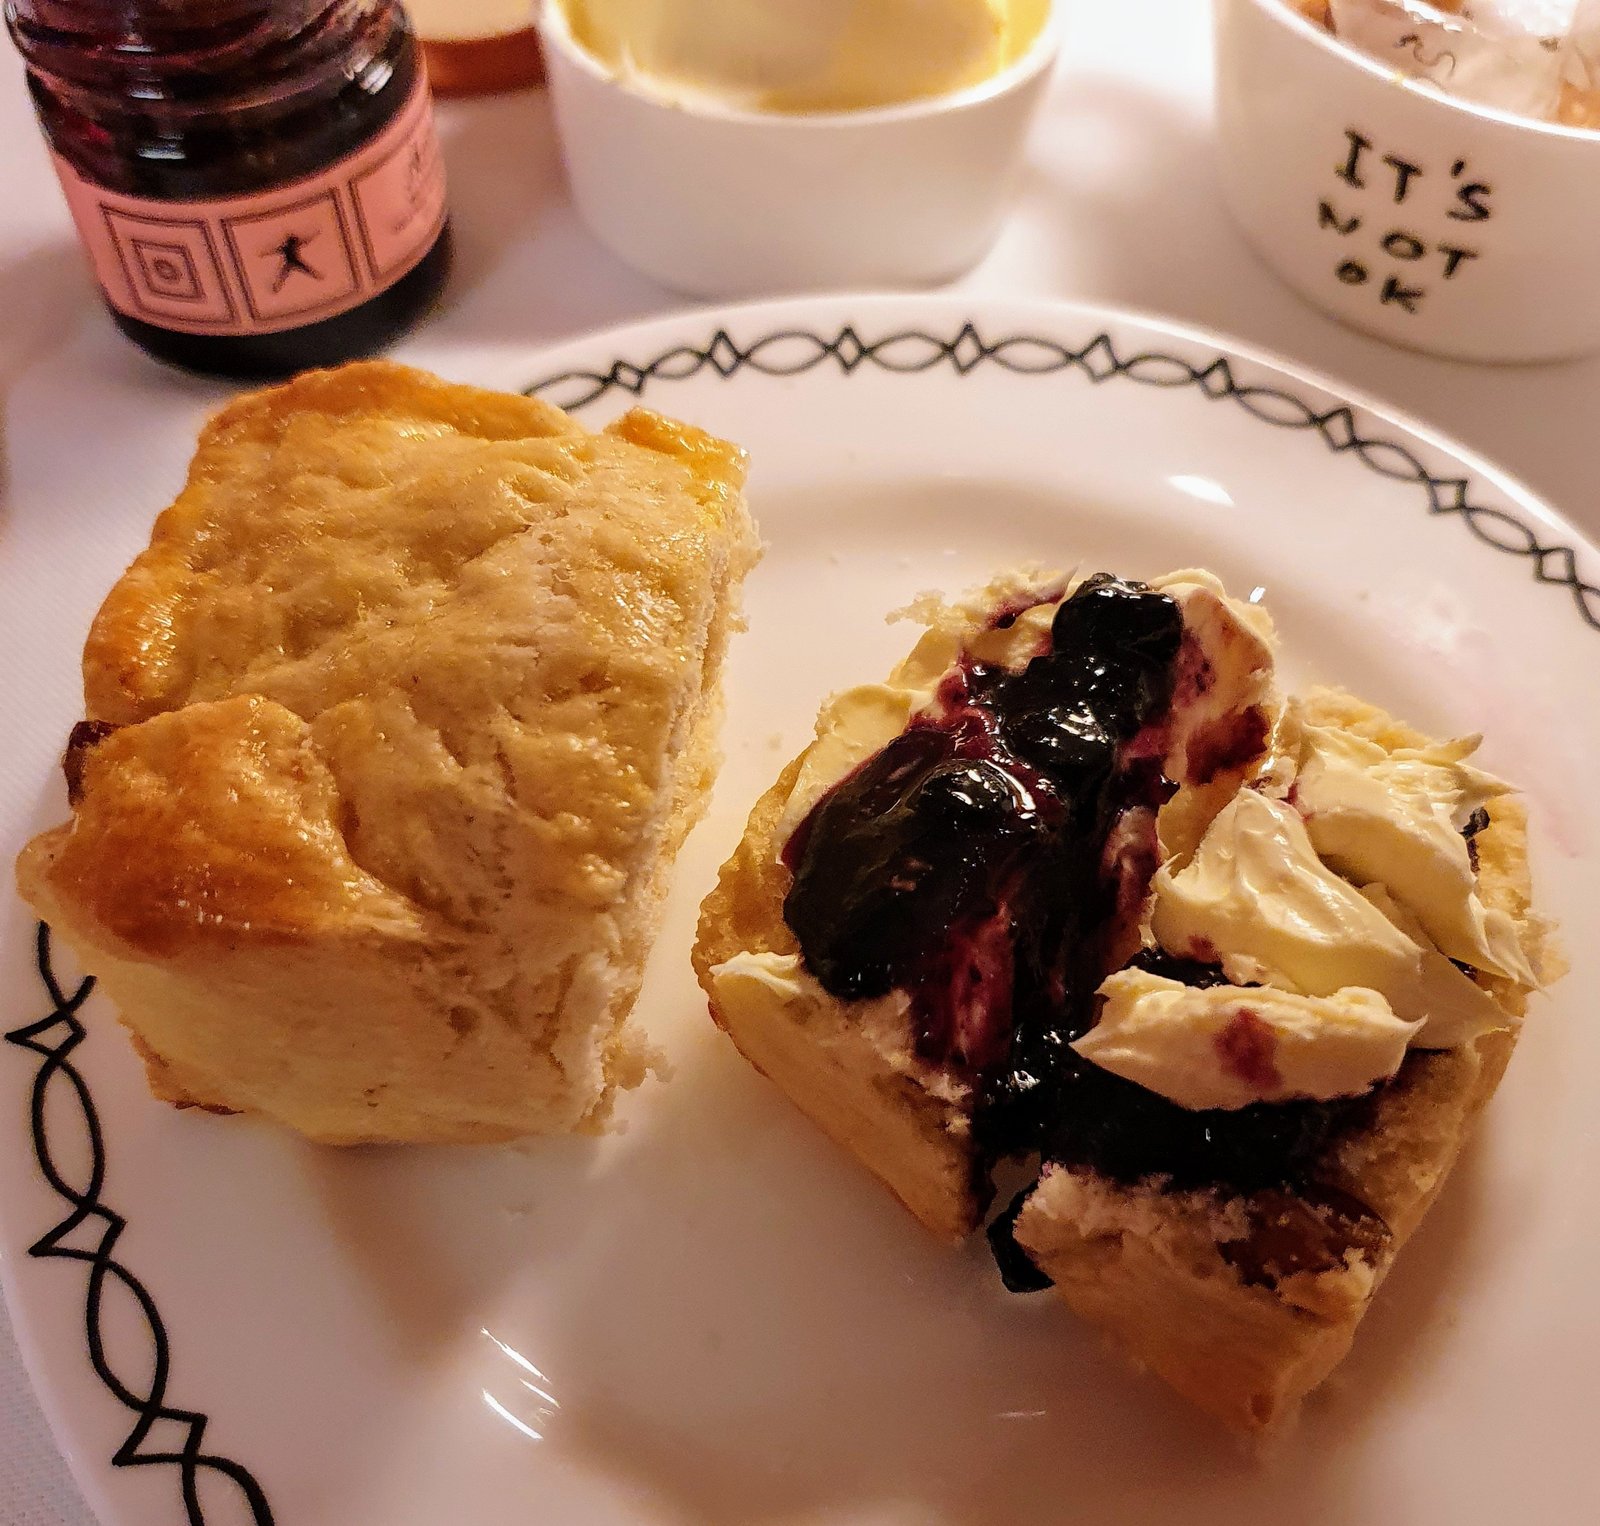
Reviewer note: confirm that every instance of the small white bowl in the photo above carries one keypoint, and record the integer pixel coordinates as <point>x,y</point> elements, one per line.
<point>1428,221</point>
<point>730,203</point>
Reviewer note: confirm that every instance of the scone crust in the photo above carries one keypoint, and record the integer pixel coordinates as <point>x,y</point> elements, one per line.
<point>417,682</point>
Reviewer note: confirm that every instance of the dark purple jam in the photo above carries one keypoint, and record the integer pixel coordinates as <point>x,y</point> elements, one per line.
<point>1017,1269</point>
<point>990,861</point>
<point>1477,822</point>
<point>962,862</point>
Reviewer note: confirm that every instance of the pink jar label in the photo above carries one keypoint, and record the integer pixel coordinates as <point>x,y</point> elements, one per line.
<point>274,259</point>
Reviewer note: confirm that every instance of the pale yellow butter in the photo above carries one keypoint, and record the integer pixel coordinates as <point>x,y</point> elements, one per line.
<point>1229,1046</point>
<point>805,55</point>
<point>1395,819</point>
<point>758,989</point>
<point>1257,897</point>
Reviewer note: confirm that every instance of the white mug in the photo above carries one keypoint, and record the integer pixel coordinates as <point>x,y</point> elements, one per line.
<point>1431,222</point>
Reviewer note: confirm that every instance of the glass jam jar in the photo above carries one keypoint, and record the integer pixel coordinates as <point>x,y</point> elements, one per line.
<point>256,182</point>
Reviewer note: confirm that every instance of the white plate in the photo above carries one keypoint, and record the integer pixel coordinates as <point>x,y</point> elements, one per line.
<point>713,1317</point>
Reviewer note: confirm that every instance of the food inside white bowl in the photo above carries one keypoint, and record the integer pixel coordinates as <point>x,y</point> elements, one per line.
<point>1533,58</point>
<point>690,158</point>
<point>804,55</point>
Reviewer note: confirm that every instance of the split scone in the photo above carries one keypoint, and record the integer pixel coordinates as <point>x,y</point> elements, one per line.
<point>1075,886</point>
<point>394,730</point>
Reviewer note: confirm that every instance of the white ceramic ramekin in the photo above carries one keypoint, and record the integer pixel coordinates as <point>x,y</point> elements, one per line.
<point>1437,224</point>
<point>726,203</point>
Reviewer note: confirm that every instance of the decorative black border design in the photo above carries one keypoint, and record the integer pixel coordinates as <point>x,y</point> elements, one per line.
<point>790,352</point>
<point>53,1038</point>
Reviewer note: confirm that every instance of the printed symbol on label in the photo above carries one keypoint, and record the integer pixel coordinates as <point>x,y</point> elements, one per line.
<point>171,267</point>
<point>168,271</point>
<point>293,259</point>
<point>290,253</point>
<point>399,202</point>
<point>417,166</point>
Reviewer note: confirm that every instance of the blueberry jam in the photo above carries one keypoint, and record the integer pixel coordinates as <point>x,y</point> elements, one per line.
<point>1477,822</point>
<point>990,861</point>
<point>962,862</point>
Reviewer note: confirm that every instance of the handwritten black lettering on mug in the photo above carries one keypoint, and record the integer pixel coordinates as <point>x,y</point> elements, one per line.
<point>1399,253</point>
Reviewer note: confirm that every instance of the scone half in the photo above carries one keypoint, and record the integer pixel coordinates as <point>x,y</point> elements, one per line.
<point>1230,1154</point>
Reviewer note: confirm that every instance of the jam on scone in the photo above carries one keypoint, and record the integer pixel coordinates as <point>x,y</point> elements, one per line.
<point>1076,886</point>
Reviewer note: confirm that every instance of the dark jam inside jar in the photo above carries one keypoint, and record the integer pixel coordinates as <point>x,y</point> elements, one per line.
<point>222,99</point>
<point>989,863</point>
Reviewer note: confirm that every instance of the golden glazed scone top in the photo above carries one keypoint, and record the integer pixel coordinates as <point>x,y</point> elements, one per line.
<point>216,822</point>
<point>353,501</point>
<point>418,672</point>
<point>436,595</point>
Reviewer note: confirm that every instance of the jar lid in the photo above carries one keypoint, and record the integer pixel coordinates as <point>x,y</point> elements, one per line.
<point>476,47</point>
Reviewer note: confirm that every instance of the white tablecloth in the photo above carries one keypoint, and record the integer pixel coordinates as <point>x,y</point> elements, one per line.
<point>1119,205</point>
